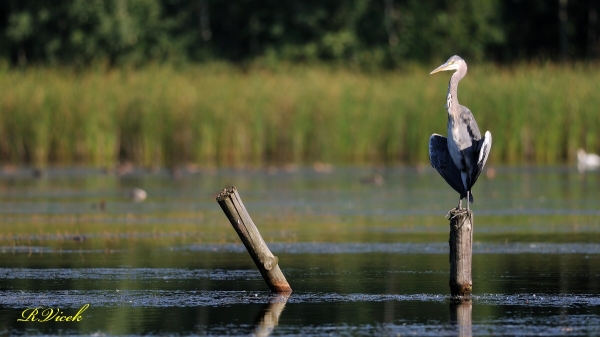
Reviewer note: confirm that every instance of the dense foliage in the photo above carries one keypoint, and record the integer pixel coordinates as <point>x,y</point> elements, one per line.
<point>369,33</point>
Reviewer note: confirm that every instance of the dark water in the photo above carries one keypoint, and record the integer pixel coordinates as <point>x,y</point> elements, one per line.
<point>363,258</point>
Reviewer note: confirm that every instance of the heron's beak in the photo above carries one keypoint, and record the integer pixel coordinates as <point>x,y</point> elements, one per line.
<point>444,67</point>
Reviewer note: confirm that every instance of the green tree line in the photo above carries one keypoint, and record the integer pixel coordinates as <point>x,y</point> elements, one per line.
<point>369,33</point>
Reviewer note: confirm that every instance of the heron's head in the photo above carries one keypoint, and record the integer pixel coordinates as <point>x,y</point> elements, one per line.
<point>453,63</point>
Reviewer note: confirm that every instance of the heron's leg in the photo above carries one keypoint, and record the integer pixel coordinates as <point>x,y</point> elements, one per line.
<point>459,203</point>
<point>468,192</point>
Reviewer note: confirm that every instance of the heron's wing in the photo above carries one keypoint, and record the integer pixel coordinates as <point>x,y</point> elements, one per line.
<point>469,121</point>
<point>482,151</point>
<point>440,159</point>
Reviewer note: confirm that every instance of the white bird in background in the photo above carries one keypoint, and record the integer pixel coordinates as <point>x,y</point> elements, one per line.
<point>587,161</point>
<point>137,195</point>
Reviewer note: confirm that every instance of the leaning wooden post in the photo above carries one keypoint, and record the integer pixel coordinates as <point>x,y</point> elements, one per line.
<point>265,261</point>
<point>461,252</point>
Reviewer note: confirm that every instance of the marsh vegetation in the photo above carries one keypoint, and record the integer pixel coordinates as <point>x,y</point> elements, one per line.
<point>217,114</point>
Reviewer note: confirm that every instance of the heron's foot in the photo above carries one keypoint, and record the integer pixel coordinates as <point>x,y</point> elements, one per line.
<point>453,213</point>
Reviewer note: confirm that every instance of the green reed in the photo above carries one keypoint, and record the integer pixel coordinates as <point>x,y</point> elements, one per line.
<point>217,114</point>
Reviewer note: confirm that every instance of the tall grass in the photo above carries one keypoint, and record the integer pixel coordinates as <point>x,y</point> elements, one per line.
<point>216,114</point>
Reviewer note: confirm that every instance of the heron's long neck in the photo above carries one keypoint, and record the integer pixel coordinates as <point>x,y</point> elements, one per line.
<point>452,98</point>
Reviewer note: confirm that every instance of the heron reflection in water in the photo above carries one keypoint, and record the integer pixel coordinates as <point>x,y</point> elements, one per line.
<point>460,158</point>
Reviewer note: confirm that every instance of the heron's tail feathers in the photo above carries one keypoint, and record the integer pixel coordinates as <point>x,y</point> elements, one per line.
<point>471,197</point>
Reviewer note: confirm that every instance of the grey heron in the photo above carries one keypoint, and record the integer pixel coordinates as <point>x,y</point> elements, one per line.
<point>459,158</point>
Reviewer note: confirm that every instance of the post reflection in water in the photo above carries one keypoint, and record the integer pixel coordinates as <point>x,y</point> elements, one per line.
<point>460,314</point>
<point>268,318</point>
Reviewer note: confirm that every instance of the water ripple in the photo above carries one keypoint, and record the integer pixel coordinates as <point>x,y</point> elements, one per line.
<point>408,248</point>
<point>127,274</point>
<point>179,298</point>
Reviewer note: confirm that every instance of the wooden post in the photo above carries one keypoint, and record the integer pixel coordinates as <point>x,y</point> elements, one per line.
<point>265,261</point>
<point>461,252</point>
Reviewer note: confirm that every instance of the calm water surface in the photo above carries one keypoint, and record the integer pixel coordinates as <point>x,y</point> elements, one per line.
<point>365,250</point>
